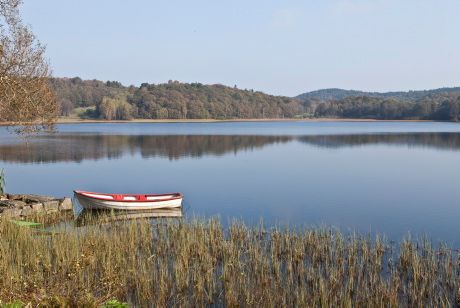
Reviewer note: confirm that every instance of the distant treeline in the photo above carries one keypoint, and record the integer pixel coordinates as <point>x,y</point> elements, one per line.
<point>442,107</point>
<point>408,96</point>
<point>175,100</point>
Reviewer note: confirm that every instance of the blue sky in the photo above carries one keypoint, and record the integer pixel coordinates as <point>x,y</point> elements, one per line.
<point>279,47</point>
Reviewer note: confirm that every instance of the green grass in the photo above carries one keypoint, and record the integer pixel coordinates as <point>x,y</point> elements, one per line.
<point>84,112</point>
<point>24,223</point>
<point>200,263</point>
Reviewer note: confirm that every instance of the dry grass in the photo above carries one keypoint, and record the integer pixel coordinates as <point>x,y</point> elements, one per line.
<point>199,263</point>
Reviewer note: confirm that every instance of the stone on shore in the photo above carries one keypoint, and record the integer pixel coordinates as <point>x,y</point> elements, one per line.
<point>37,207</point>
<point>27,211</point>
<point>29,198</point>
<point>12,203</point>
<point>51,206</point>
<point>15,205</point>
<point>66,204</point>
<point>36,198</point>
<point>14,197</point>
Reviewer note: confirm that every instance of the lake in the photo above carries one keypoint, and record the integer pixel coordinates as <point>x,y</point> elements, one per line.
<point>394,178</point>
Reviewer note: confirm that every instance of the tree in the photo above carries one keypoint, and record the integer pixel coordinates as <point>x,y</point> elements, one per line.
<point>115,109</point>
<point>108,108</point>
<point>66,107</point>
<point>124,110</point>
<point>26,99</point>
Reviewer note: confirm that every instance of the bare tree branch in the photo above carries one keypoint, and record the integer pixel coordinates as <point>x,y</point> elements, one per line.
<point>26,99</point>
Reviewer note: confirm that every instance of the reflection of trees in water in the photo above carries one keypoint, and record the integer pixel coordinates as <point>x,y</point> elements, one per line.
<point>445,141</point>
<point>175,147</point>
<point>56,148</point>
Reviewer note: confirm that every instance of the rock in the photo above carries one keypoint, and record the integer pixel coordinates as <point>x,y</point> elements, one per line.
<point>66,204</point>
<point>11,212</point>
<point>15,197</point>
<point>27,211</point>
<point>29,198</point>
<point>12,203</point>
<point>51,206</point>
<point>37,207</point>
<point>37,198</point>
<point>26,205</point>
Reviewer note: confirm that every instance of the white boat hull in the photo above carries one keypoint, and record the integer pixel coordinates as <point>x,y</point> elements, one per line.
<point>97,204</point>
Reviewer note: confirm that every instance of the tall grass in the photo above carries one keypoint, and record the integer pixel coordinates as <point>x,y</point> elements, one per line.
<point>199,263</point>
<point>2,182</point>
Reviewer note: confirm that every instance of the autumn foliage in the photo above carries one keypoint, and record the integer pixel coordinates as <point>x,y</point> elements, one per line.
<point>26,99</point>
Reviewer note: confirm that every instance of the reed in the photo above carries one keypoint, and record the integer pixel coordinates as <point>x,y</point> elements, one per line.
<point>192,263</point>
<point>2,182</point>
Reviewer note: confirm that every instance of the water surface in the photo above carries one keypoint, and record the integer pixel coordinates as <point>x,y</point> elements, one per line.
<point>387,177</point>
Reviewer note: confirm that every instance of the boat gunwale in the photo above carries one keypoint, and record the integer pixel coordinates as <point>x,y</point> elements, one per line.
<point>176,195</point>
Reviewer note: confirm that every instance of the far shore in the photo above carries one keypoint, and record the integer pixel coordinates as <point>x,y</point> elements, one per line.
<point>64,120</point>
<point>75,121</point>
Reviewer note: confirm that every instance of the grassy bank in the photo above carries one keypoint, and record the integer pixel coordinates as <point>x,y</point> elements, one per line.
<point>196,263</point>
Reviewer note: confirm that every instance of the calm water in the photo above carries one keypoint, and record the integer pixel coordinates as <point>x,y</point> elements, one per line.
<point>392,178</point>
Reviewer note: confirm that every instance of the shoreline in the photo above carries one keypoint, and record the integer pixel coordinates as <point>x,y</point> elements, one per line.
<point>77,121</point>
<point>310,120</point>
<point>26,205</point>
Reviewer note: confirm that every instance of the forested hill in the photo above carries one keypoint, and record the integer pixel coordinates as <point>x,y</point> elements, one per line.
<point>172,100</point>
<point>442,107</point>
<point>439,104</point>
<point>338,94</point>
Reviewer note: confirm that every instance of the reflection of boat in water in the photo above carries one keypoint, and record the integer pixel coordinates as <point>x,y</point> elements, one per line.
<point>103,217</point>
<point>125,215</point>
<point>128,202</point>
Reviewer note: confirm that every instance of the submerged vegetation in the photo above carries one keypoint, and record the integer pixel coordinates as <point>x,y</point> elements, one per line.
<point>197,263</point>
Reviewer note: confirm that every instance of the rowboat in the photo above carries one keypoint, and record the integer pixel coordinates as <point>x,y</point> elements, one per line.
<point>101,201</point>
